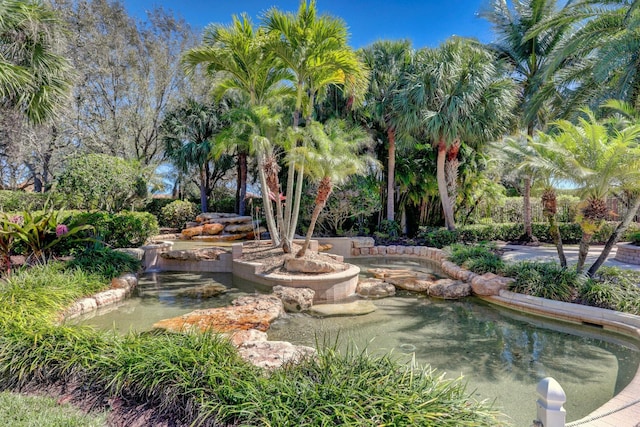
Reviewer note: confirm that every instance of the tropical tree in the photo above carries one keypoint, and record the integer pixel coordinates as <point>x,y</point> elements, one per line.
<point>530,57</point>
<point>235,55</point>
<point>456,92</point>
<point>314,50</point>
<point>331,158</point>
<point>189,135</point>
<point>33,77</point>
<point>602,158</point>
<point>387,61</point>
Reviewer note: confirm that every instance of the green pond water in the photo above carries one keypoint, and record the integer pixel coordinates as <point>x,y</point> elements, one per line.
<point>502,354</point>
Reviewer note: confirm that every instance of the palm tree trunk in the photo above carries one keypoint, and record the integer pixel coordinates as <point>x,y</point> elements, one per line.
<point>296,204</point>
<point>442,185</point>
<point>203,189</point>
<point>391,170</point>
<point>583,251</point>
<point>242,182</point>
<point>324,190</point>
<point>268,209</point>
<point>526,210</point>
<point>618,232</point>
<point>554,230</point>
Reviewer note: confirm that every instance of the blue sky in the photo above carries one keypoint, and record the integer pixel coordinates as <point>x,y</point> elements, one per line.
<point>425,23</point>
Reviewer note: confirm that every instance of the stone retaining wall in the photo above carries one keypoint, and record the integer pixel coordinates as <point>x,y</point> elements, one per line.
<point>629,253</point>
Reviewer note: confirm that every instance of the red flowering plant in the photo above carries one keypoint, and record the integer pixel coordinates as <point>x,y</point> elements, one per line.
<point>41,231</point>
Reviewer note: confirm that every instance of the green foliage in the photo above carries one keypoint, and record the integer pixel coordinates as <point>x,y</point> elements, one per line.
<point>120,230</point>
<point>99,181</point>
<point>104,262</point>
<point>155,205</point>
<point>509,209</point>
<point>634,237</point>
<point>571,233</point>
<point>19,410</point>
<point>176,213</point>
<point>543,279</point>
<point>480,258</point>
<point>613,288</point>
<point>15,201</point>
<point>389,228</point>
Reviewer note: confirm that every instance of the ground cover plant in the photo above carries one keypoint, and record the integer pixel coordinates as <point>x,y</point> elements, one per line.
<point>200,378</point>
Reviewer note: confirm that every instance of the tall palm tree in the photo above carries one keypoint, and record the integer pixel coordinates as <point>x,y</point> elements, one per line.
<point>314,50</point>
<point>530,57</point>
<point>457,92</point>
<point>189,137</point>
<point>602,158</point>
<point>236,57</point>
<point>387,60</point>
<point>331,158</point>
<point>33,76</point>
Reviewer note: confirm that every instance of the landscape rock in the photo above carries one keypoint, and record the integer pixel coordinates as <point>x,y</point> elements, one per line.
<point>449,289</point>
<point>237,338</point>
<point>274,354</point>
<point>325,247</point>
<point>375,288</point>
<point>405,279</point>
<point>355,308</point>
<point>212,229</point>
<point>414,284</point>
<point>222,218</point>
<point>209,290</point>
<point>192,231</point>
<point>251,312</point>
<point>109,297</point>
<point>308,265</point>
<point>489,284</point>
<point>220,237</point>
<point>81,306</point>
<point>295,299</point>
<point>238,228</point>
<point>363,242</point>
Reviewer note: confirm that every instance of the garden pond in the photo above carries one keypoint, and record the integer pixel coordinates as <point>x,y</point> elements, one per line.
<point>502,354</point>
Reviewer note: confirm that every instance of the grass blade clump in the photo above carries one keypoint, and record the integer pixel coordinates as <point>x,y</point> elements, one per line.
<point>104,262</point>
<point>544,279</point>
<point>481,258</point>
<point>613,288</point>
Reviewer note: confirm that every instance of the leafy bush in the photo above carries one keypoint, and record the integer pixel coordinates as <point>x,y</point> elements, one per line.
<point>177,213</point>
<point>14,201</point>
<point>121,230</point>
<point>634,237</point>
<point>613,288</point>
<point>477,258</point>
<point>155,205</point>
<point>99,181</point>
<point>105,262</point>
<point>543,279</point>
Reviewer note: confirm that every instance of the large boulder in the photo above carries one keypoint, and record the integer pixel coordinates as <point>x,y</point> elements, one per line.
<point>192,231</point>
<point>237,338</point>
<point>238,228</point>
<point>273,354</point>
<point>220,237</point>
<point>295,299</point>
<point>251,312</point>
<point>449,289</point>
<point>109,297</point>
<point>308,265</point>
<point>212,229</point>
<point>375,288</point>
<point>489,284</point>
<point>405,279</point>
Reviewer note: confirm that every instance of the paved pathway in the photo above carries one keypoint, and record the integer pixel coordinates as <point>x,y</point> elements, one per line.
<point>624,409</point>
<point>549,253</point>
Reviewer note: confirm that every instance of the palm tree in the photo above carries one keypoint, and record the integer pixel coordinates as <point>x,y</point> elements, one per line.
<point>457,92</point>
<point>33,77</point>
<point>235,55</point>
<point>332,158</point>
<point>530,58</point>
<point>601,159</point>
<point>314,50</point>
<point>387,60</point>
<point>189,137</point>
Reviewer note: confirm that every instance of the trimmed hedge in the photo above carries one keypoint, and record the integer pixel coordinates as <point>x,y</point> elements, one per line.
<point>570,232</point>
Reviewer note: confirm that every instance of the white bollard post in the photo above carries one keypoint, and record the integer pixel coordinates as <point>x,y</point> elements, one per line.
<point>551,397</point>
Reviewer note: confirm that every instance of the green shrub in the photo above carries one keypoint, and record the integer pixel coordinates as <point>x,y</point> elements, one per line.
<point>105,262</point>
<point>14,201</point>
<point>480,258</point>
<point>155,205</point>
<point>177,213</point>
<point>613,288</point>
<point>543,279</point>
<point>634,237</point>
